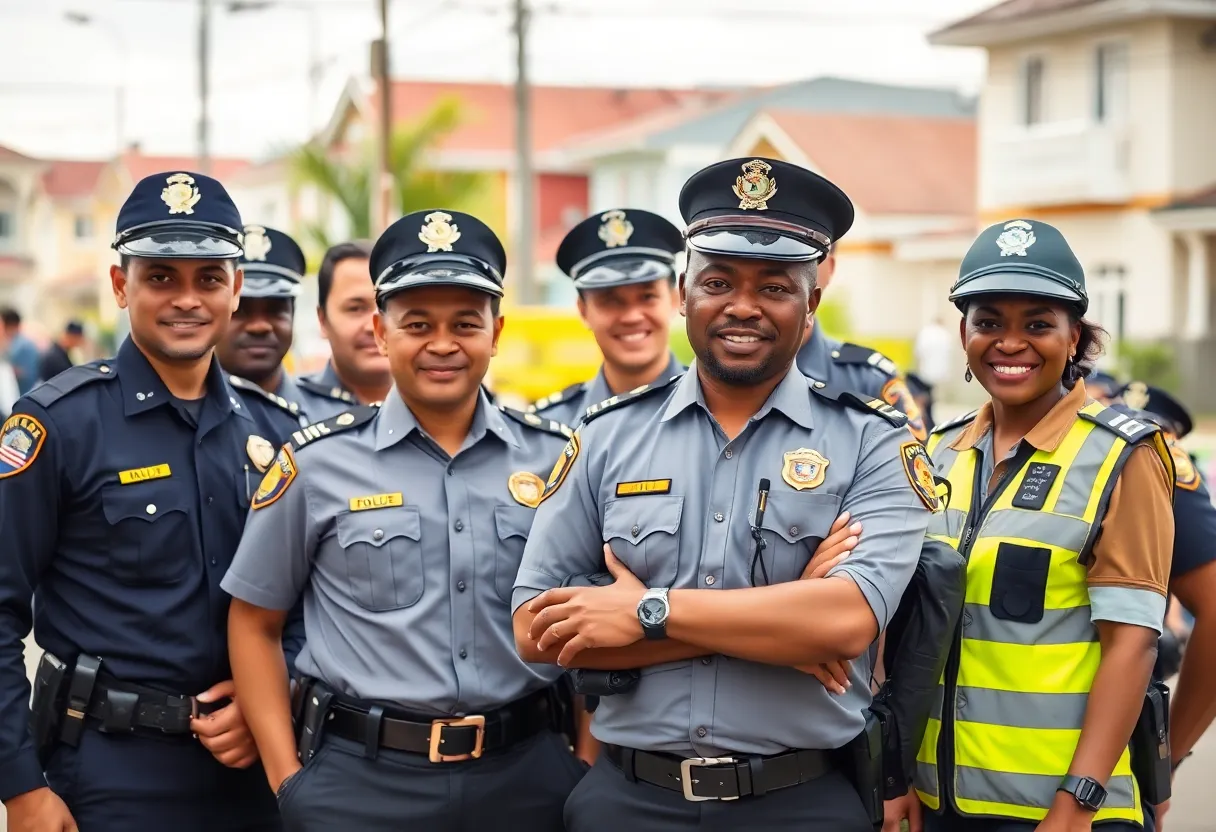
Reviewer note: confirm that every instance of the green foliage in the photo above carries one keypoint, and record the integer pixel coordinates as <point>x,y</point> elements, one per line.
<point>1149,361</point>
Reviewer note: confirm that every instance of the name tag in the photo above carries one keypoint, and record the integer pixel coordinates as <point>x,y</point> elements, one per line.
<point>154,472</point>
<point>372,501</point>
<point>1036,484</point>
<point>632,489</point>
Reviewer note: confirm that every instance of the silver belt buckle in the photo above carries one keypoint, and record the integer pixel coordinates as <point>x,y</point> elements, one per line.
<point>687,781</point>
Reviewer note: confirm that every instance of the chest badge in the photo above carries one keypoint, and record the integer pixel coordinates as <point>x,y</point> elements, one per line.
<point>804,468</point>
<point>526,488</point>
<point>261,452</point>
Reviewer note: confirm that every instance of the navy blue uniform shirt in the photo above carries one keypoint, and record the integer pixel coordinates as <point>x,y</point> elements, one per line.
<point>121,508</point>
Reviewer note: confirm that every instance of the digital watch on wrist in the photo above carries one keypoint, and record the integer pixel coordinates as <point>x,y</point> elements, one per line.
<point>1085,790</point>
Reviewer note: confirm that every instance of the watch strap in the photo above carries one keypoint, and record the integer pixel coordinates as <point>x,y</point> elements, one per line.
<point>1088,792</point>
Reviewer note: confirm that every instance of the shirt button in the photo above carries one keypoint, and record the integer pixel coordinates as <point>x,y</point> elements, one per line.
<point>459,525</point>
<point>464,654</point>
<point>378,534</point>
<point>151,509</point>
<point>460,586</point>
<point>729,453</point>
<point>451,470</point>
<point>709,580</point>
<point>209,499</point>
<point>706,660</point>
<point>719,517</point>
<point>701,732</point>
<point>635,531</point>
<point>213,562</point>
<point>793,531</point>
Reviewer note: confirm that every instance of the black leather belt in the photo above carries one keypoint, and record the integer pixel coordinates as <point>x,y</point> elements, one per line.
<point>123,708</point>
<point>445,740</point>
<point>720,778</point>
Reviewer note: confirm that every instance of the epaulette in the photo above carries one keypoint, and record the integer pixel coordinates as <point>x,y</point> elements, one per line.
<point>537,422</point>
<point>557,398</point>
<point>343,421</point>
<point>865,404</point>
<point>328,392</point>
<point>1132,430</point>
<point>247,386</point>
<point>956,422</point>
<point>857,354</point>
<point>634,395</point>
<point>49,392</point>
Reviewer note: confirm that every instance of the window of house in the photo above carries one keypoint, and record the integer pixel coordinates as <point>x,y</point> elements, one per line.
<point>1111,81</point>
<point>1108,299</point>
<point>83,227</point>
<point>1032,89</point>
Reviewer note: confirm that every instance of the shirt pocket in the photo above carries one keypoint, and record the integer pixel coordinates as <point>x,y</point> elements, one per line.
<point>644,532</point>
<point>794,524</point>
<point>513,524</point>
<point>152,540</point>
<point>383,552</point>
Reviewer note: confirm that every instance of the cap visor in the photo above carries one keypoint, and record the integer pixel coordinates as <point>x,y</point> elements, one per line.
<point>269,286</point>
<point>1016,283</point>
<point>188,245</point>
<point>623,273</point>
<point>762,245</point>
<point>438,277</point>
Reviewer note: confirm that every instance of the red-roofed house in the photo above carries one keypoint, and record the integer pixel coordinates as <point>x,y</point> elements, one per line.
<point>19,184</point>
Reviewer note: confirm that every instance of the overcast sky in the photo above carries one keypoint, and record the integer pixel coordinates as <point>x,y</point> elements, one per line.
<point>58,78</point>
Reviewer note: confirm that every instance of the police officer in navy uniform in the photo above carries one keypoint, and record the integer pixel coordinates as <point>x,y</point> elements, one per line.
<point>403,525</point>
<point>622,263</point>
<point>124,486</point>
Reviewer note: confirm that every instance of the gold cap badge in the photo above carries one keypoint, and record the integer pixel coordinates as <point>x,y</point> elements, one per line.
<point>181,196</point>
<point>1136,395</point>
<point>616,229</point>
<point>261,452</point>
<point>755,188</point>
<point>257,244</point>
<point>804,468</point>
<point>526,488</point>
<point>439,234</point>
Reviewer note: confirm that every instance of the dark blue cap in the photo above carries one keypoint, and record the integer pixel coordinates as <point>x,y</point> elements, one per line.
<point>438,248</point>
<point>273,264</point>
<point>179,215</point>
<point>620,247</point>
<point>763,208</point>
<point>1159,406</point>
<point>1103,383</point>
<point>1021,257</point>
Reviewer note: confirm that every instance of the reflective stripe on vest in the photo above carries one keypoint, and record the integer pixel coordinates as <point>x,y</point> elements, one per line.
<point>1023,676</point>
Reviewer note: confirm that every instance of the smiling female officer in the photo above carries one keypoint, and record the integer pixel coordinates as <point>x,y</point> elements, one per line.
<point>1062,507</point>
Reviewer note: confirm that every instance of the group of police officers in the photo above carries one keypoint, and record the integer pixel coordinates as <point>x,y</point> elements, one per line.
<point>351,601</point>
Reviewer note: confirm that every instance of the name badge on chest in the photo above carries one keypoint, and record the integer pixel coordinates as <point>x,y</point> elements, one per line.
<point>1036,485</point>
<point>374,501</point>
<point>152,472</point>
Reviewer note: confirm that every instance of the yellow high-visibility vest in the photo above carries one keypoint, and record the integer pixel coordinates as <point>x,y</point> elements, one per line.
<point>1018,680</point>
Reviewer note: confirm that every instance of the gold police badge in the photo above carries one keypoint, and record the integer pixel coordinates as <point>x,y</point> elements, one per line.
<point>920,473</point>
<point>180,194</point>
<point>616,230</point>
<point>439,234</point>
<point>526,488</point>
<point>804,468</point>
<point>1016,238</point>
<point>755,188</point>
<point>1136,395</point>
<point>257,244</point>
<point>261,452</point>
<point>1186,475</point>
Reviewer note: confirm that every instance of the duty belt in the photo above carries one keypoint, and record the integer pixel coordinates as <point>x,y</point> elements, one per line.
<point>446,740</point>
<point>720,778</point>
<point>119,707</point>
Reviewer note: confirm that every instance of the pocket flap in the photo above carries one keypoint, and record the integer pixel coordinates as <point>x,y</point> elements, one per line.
<point>142,501</point>
<point>379,526</point>
<point>796,517</point>
<point>634,518</point>
<point>513,521</point>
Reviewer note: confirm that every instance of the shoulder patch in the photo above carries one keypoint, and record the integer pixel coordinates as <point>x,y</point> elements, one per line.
<point>247,386</point>
<point>343,421</point>
<point>1186,475</point>
<point>21,438</point>
<point>863,403</point>
<point>857,354</point>
<point>275,483</point>
<point>634,395</point>
<point>319,389</point>
<point>49,392</point>
<point>537,422</point>
<point>920,473</point>
<point>956,422</point>
<point>1132,430</point>
<point>562,467</point>
<point>559,397</point>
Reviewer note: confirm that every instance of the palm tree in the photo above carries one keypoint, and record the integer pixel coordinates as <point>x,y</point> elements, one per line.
<point>349,183</point>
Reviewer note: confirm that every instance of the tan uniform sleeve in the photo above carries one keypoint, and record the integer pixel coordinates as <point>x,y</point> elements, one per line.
<point>1136,545</point>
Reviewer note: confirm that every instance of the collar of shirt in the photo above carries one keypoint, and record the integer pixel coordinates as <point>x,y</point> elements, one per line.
<point>396,421</point>
<point>143,389</point>
<point>791,397</point>
<point>1045,436</point>
<point>329,377</point>
<point>815,357</point>
<point>597,389</point>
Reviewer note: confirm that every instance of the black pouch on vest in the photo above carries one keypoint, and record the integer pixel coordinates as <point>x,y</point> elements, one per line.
<point>1019,583</point>
<point>1150,745</point>
<point>861,762</point>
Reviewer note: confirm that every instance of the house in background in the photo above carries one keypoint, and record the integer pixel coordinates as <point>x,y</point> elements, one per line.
<point>1098,116</point>
<point>20,178</point>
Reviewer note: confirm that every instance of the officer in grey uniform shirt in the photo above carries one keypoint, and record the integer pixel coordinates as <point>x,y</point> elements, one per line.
<point>324,393</point>
<point>404,525</point>
<point>622,263</point>
<point>706,497</point>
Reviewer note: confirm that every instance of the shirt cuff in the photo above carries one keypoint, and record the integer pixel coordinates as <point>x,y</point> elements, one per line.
<point>21,774</point>
<point>521,596</point>
<point>870,591</point>
<point>241,589</point>
<point>1126,605</point>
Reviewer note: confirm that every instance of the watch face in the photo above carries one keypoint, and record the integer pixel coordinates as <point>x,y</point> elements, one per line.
<point>652,611</point>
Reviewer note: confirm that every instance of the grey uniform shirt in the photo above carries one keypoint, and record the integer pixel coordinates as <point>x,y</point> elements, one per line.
<point>570,405</point>
<point>291,392</point>
<point>695,533</point>
<point>322,396</point>
<point>406,557</point>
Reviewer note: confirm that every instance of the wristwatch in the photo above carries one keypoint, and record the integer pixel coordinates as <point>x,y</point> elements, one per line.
<point>1085,790</point>
<point>652,613</point>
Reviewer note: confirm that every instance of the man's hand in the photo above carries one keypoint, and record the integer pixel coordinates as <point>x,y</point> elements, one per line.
<point>906,808</point>
<point>224,732</point>
<point>589,617</point>
<point>39,811</point>
<point>842,539</point>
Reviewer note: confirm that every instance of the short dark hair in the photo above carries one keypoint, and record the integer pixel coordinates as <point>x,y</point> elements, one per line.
<point>74,328</point>
<point>10,316</point>
<point>336,254</point>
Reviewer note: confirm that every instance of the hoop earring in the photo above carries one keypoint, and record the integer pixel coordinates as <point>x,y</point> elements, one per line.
<point>967,375</point>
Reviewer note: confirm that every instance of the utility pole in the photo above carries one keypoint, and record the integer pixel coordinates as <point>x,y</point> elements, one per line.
<point>523,257</point>
<point>204,44</point>
<point>384,181</point>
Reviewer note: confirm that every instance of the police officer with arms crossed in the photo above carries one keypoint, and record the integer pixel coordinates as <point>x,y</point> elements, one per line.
<point>622,263</point>
<point>124,486</point>
<point>706,497</point>
<point>405,524</point>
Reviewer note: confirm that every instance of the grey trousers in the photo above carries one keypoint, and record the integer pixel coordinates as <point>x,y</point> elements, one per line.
<point>519,788</point>
<point>606,802</point>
